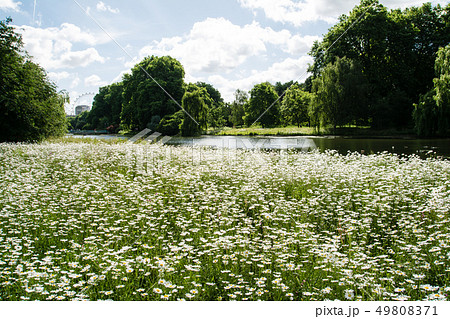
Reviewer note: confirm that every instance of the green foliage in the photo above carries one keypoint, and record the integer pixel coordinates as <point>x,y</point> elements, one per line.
<point>107,107</point>
<point>80,122</point>
<point>442,86</point>
<point>196,109</point>
<point>30,107</point>
<point>282,88</point>
<point>143,98</point>
<point>214,94</point>
<point>238,108</point>
<point>170,124</point>
<point>425,115</point>
<point>218,112</point>
<point>263,107</point>
<point>340,94</point>
<point>432,114</point>
<point>396,50</point>
<point>294,108</point>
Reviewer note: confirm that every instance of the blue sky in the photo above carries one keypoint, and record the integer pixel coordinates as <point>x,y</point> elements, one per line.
<point>232,44</point>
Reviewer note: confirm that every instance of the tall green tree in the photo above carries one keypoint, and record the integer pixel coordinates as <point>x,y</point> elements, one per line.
<point>217,110</point>
<point>238,108</point>
<point>214,94</point>
<point>281,88</point>
<point>432,113</point>
<point>396,50</point>
<point>107,107</point>
<point>263,106</point>
<point>143,94</point>
<point>31,109</point>
<point>295,105</point>
<point>195,110</point>
<point>341,93</point>
<point>442,87</point>
<point>425,115</point>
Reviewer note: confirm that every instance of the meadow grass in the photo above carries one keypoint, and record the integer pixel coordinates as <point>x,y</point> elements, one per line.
<point>259,131</point>
<point>118,221</point>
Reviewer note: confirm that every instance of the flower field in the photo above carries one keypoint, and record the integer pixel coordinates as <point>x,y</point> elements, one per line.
<point>84,221</point>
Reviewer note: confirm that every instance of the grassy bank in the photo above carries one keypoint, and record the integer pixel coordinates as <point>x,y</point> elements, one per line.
<point>83,221</point>
<point>307,131</point>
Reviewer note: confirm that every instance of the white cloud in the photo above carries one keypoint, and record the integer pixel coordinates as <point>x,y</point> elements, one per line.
<point>101,6</point>
<point>288,70</point>
<point>119,77</point>
<point>10,5</point>
<point>217,45</point>
<point>301,11</point>
<point>75,82</point>
<point>52,47</point>
<point>94,80</point>
<point>58,76</point>
<point>299,45</point>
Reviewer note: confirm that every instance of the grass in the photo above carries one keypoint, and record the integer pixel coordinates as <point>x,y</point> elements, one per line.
<point>255,131</point>
<point>98,221</point>
<point>362,131</point>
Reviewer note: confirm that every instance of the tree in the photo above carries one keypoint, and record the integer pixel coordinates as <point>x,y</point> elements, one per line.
<point>195,110</point>
<point>294,108</point>
<point>238,108</point>
<point>217,111</point>
<point>143,94</point>
<point>30,107</point>
<point>442,86</point>
<point>281,88</point>
<point>214,94</point>
<point>396,50</point>
<point>340,93</point>
<point>80,122</point>
<point>425,115</point>
<point>107,107</point>
<point>263,107</point>
<point>432,114</point>
<point>170,124</point>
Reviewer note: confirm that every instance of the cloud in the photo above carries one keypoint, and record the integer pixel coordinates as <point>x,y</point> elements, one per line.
<point>52,47</point>
<point>10,5</point>
<point>119,77</point>
<point>58,76</point>
<point>301,11</point>
<point>101,6</point>
<point>287,70</point>
<point>75,82</point>
<point>217,45</point>
<point>94,80</point>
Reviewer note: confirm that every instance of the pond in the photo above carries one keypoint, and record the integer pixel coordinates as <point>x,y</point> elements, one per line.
<point>341,144</point>
<point>408,146</point>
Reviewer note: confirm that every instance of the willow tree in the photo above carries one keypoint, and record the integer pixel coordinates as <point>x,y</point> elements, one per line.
<point>195,110</point>
<point>341,94</point>
<point>432,113</point>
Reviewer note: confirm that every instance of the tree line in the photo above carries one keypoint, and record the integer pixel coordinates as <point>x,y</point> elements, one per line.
<point>376,67</point>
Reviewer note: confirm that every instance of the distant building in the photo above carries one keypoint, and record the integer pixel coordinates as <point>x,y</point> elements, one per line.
<point>81,108</point>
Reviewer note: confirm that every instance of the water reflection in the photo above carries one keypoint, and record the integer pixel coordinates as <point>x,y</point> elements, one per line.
<point>422,147</point>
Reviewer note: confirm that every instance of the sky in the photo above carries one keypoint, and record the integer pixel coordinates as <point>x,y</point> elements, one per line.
<point>232,44</point>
